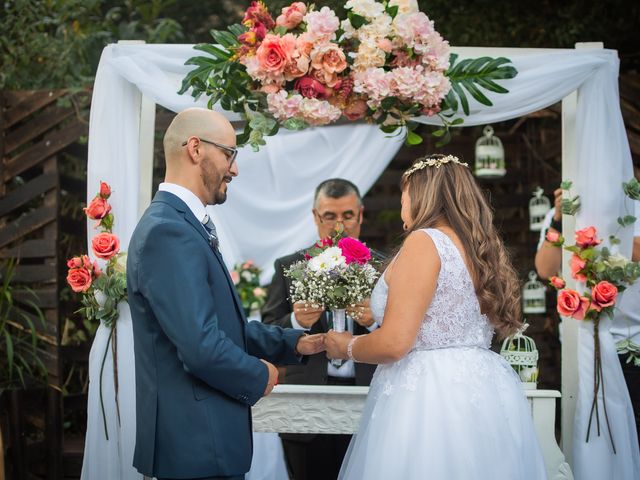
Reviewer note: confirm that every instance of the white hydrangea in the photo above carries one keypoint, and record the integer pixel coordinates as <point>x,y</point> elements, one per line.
<point>405,6</point>
<point>368,9</point>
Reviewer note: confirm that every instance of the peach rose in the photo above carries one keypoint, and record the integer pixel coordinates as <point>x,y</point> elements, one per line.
<point>604,294</point>
<point>79,279</point>
<point>328,79</point>
<point>298,66</point>
<point>274,53</point>
<point>97,209</point>
<point>304,44</point>
<point>571,304</point>
<point>577,264</point>
<point>292,15</point>
<point>105,190</point>
<point>557,282</point>
<point>105,245</point>
<point>329,58</point>
<point>587,238</point>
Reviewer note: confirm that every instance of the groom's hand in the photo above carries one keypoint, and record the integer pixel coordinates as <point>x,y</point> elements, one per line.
<point>273,377</point>
<point>310,344</point>
<point>306,315</point>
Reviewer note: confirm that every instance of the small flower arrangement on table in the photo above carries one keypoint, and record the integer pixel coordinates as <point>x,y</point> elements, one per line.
<point>246,278</point>
<point>102,289</point>
<point>383,62</point>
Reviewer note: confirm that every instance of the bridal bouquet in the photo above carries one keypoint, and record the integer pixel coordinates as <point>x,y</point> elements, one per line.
<point>246,278</point>
<point>383,61</point>
<point>336,272</point>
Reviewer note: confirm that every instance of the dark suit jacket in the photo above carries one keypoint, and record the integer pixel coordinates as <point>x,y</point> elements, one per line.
<point>196,357</point>
<point>277,311</point>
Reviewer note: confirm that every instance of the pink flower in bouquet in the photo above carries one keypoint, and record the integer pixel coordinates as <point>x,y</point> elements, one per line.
<point>571,304</point>
<point>552,236</point>
<point>79,279</point>
<point>329,58</point>
<point>235,277</point>
<point>310,88</point>
<point>298,66</point>
<point>434,86</point>
<point>105,245</point>
<point>78,262</point>
<point>435,53</point>
<point>354,250</point>
<point>259,292</point>
<point>587,238</point>
<point>374,83</point>
<point>258,13</point>
<point>96,269</point>
<point>355,109</point>
<point>248,264</point>
<point>304,44</point>
<point>328,79</point>
<point>577,264</point>
<point>105,190</point>
<point>270,88</point>
<point>292,15</point>
<point>325,242</point>
<point>604,294</point>
<point>413,27</point>
<point>402,59</point>
<point>282,106</point>
<point>254,35</point>
<point>97,209</point>
<point>385,45</point>
<point>557,282</point>
<point>318,112</point>
<point>274,54</point>
<point>431,111</point>
<point>322,24</point>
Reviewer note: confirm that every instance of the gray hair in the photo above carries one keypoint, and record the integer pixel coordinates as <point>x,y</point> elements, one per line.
<point>336,188</point>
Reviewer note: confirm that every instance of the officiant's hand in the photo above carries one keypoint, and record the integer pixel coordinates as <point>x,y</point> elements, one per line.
<point>336,344</point>
<point>273,377</point>
<point>361,313</point>
<point>310,344</point>
<point>306,314</point>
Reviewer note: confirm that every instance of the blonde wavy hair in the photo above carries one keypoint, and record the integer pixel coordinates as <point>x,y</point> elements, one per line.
<point>450,195</point>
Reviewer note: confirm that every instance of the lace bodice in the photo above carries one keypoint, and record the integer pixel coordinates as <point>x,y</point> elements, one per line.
<point>453,318</point>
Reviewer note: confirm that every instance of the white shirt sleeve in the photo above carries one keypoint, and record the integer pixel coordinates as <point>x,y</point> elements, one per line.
<point>546,223</point>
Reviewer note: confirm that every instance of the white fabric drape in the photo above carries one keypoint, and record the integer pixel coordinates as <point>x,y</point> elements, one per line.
<point>267,213</point>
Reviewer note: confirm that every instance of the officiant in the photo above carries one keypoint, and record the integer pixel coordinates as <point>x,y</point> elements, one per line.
<point>337,202</point>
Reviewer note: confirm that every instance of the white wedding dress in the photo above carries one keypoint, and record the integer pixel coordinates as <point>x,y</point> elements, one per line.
<point>451,409</point>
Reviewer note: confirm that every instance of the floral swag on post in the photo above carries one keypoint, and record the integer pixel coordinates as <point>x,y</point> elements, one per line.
<point>601,275</point>
<point>101,291</point>
<point>246,278</point>
<point>384,63</point>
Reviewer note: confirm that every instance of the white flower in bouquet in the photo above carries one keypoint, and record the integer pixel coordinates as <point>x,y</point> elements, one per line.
<point>405,6</point>
<point>369,9</point>
<point>328,260</point>
<point>616,260</point>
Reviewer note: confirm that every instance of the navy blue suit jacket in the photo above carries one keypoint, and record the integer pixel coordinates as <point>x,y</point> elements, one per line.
<point>197,359</point>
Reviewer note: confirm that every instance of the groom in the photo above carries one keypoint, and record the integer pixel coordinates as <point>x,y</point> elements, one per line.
<point>199,365</point>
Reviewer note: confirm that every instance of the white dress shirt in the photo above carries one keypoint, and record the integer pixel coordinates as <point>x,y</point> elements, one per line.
<point>187,196</point>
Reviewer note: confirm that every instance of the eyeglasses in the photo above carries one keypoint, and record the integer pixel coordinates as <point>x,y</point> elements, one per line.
<point>231,152</point>
<point>330,220</point>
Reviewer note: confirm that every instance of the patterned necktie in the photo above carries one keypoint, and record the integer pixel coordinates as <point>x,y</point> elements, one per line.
<point>211,230</point>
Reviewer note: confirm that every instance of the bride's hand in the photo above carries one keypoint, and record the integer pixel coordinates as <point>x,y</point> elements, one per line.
<point>336,344</point>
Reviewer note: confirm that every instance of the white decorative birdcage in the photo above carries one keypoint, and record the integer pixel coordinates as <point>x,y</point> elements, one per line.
<point>489,155</point>
<point>521,353</point>
<point>539,206</point>
<point>533,295</point>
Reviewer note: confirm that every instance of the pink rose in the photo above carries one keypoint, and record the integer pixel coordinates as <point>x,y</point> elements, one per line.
<point>258,13</point>
<point>385,45</point>
<point>571,304</point>
<point>552,236</point>
<point>354,250</point>
<point>97,209</point>
<point>235,277</point>
<point>274,53</point>
<point>105,245</point>
<point>604,294</point>
<point>577,264</point>
<point>587,238</point>
<point>355,110</point>
<point>79,279</point>
<point>310,88</point>
<point>292,15</point>
<point>557,282</point>
<point>105,190</point>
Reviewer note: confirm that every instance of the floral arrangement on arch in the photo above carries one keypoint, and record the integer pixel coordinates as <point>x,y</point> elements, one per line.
<point>102,289</point>
<point>382,62</point>
<point>601,275</point>
<point>246,278</point>
<point>336,273</point>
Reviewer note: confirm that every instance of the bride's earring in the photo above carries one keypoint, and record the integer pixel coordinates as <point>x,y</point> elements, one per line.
<point>405,227</point>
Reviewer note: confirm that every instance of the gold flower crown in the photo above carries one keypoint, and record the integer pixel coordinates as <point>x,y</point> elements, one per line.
<point>433,162</point>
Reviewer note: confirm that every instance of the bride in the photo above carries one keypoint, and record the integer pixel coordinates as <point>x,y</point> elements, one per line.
<point>441,405</point>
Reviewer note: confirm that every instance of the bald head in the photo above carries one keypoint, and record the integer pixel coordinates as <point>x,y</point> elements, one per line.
<point>196,122</point>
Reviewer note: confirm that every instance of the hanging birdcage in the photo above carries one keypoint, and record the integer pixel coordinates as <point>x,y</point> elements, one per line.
<point>489,155</point>
<point>539,206</point>
<point>533,295</point>
<point>521,353</point>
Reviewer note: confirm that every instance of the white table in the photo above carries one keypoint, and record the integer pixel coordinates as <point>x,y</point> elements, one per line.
<point>337,409</point>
